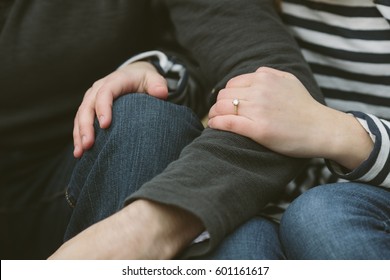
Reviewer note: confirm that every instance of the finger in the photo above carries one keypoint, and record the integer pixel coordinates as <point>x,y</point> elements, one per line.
<point>156,85</point>
<point>226,107</point>
<point>85,120</point>
<point>77,151</point>
<point>233,93</point>
<point>87,133</point>
<point>143,77</point>
<point>113,86</point>
<point>84,138</point>
<point>120,83</point>
<point>103,106</point>
<point>236,124</point>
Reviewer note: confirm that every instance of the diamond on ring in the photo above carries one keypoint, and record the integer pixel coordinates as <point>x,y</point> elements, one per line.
<point>235,102</point>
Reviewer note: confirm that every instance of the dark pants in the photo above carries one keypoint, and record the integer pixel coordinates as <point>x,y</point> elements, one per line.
<point>33,211</point>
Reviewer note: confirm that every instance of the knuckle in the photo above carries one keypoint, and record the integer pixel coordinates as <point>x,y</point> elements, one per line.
<point>219,107</point>
<point>222,94</point>
<point>84,123</point>
<point>261,68</point>
<point>263,76</point>
<point>103,91</point>
<point>96,84</point>
<point>230,124</point>
<point>114,77</point>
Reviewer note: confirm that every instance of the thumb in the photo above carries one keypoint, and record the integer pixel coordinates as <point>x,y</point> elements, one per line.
<point>156,85</point>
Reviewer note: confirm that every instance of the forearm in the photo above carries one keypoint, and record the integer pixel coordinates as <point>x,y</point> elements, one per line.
<point>142,230</point>
<point>222,178</point>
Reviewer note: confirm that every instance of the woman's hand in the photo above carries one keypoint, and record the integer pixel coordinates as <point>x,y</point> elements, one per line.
<point>277,111</point>
<point>133,78</point>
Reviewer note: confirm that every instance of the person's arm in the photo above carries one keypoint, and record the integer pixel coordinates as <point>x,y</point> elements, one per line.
<point>375,169</point>
<point>223,178</point>
<point>146,230</point>
<point>276,111</point>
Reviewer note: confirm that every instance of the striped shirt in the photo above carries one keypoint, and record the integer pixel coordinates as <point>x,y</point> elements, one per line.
<point>347,45</point>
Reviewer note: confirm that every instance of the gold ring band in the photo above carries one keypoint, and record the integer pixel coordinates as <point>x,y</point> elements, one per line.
<point>235,102</point>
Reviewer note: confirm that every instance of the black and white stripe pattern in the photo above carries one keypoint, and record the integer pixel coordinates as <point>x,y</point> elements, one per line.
<point>376,169</point>
<point>347,45</point>
<point>182,88</point>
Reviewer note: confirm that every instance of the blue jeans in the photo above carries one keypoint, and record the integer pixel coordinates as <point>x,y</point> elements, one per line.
<point>338,221</point>
<point>257,239</point>
<point>147,134</point>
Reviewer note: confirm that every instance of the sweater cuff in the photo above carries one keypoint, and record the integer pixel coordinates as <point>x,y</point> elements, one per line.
<point>376,167</point>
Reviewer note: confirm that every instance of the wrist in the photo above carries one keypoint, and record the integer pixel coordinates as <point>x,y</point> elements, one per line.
<point>163,230</point>
<point>351,145</point>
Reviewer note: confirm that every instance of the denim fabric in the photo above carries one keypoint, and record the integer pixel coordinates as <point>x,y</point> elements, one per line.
<point>146,134</point>
<point>338,221</point>
<point>256,239</point>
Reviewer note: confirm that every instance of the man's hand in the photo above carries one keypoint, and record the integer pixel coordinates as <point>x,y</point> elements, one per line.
<point>142,230</point>
<point>134,78</point>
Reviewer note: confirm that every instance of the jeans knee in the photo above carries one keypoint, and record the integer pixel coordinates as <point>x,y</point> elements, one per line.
<point>307,208</point>
<point>145,134</point>
<point>305,224</point>
<point>334,222</point>
<point>141,112</point>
